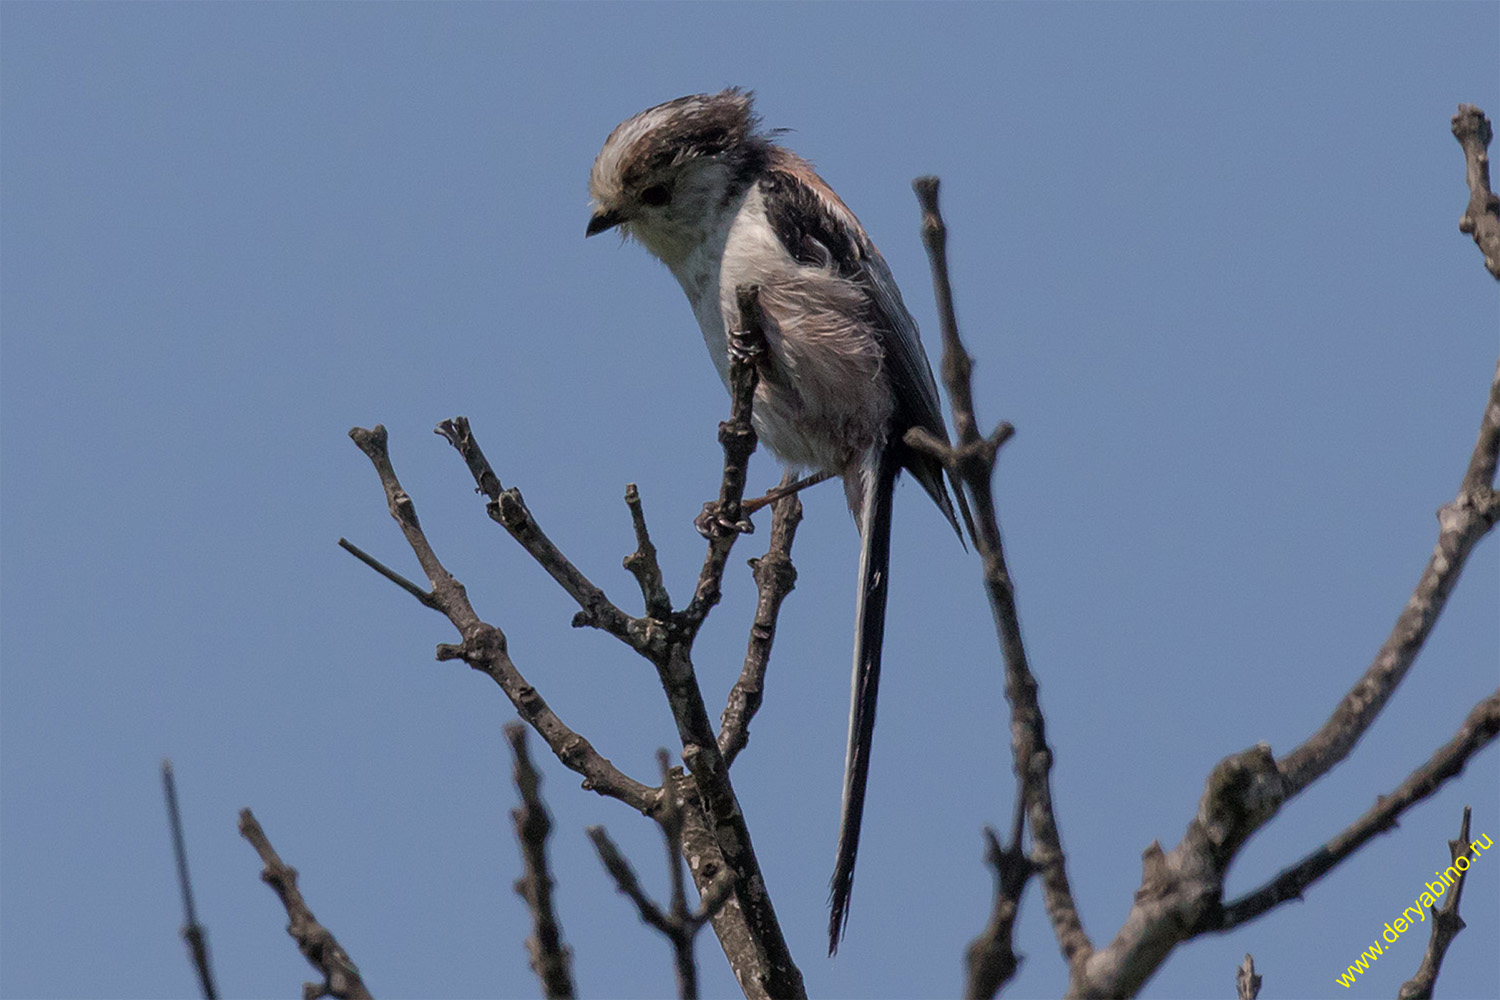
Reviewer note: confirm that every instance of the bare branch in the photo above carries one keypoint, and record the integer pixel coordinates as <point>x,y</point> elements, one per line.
<point>758,953</point>
<point>972,460</point>
<point>991,960</point>
<point>769,966</point>
<point>1181,892</point>
<point>677,924</point>
<point>775,576</point>
<point>426,599</point>
<point>1446,923</point>
<point>484,645</point>
<point>1478,730</point>
<point>1246,982</point>
<point>551,960</point>
<point>714,879</point>
<point>625,879</point>
<point>642,562</point>
<point>1476,493</point>
<point>1462,523</point>
<point>508,509</point>
<point>340,975</point>
<point>669,818</point>
<point>1481,218</point>
<point>723,521</point>
<point>194,933</point>
<point>788,486</point>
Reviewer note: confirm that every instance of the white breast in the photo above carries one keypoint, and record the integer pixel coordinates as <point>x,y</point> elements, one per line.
<point>823,403</point>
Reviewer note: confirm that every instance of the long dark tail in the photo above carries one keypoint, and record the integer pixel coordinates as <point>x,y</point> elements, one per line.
<point>874,566</point>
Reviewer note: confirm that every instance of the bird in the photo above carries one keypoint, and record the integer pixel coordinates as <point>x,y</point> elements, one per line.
<point>710,192</point>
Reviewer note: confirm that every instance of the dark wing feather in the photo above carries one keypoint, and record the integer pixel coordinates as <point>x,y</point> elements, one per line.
<point>817,229</point>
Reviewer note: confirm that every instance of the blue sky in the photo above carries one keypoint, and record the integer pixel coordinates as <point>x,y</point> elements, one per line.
<point>1206,256</point>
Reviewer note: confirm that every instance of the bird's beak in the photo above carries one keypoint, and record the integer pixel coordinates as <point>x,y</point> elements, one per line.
<point>602,220</point>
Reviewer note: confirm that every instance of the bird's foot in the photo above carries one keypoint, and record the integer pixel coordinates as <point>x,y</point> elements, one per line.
<point>713,523</point>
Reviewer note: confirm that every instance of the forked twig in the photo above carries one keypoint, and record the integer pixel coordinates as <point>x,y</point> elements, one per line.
<point>677,923</point>
<point>719,836</point>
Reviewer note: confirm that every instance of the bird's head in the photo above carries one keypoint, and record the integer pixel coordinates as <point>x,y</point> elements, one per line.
<point>670,174</point>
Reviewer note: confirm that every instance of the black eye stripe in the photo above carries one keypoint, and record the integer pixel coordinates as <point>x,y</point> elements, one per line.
<point>656,194</point>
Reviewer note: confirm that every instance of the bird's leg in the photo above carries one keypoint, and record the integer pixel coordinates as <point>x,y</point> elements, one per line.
<point>789,485</point>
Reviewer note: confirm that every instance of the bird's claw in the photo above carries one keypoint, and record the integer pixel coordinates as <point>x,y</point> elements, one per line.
<point>746,346</point>
<point>711,522</point>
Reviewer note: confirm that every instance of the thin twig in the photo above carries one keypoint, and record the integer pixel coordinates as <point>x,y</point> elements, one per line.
<point>508,509</point>
<point>484,645</point>
<point>775,576</point>
<point>426,599</point>
<point>1446,923</point>
<point>551,960</point>
<point>194,933</point>
<point>1481,217</point>
<point>625,878</point>
<point>1462,523</point>
<point>677,923</point>
<point>972,460</point>
<point>722,521</point>
<point>991,960</point>
<point>642,563</point>
<point>340,975</point>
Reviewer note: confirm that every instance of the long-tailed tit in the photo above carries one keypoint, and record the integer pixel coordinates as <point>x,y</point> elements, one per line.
<point>708,192</point>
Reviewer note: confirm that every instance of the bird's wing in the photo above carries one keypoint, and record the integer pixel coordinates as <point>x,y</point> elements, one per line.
<point>819,230</point>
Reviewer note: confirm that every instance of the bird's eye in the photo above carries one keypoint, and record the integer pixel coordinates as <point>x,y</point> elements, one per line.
<point>656,195</point>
